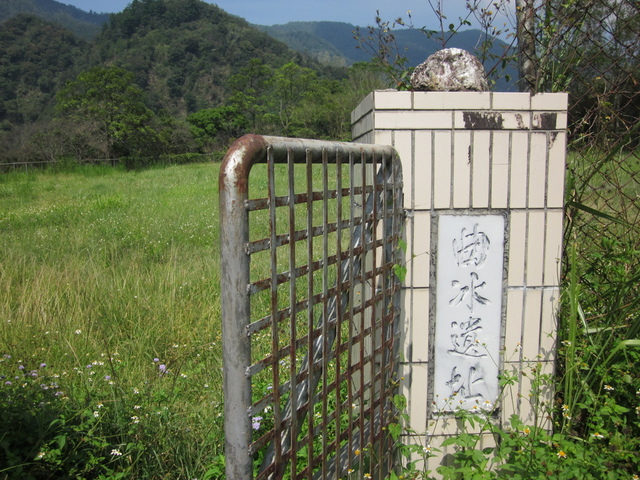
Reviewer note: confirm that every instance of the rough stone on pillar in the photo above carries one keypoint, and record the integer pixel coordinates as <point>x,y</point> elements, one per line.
<point>450,70</point>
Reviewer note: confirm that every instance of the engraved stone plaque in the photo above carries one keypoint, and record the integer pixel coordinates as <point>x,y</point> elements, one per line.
<point>468,311</point>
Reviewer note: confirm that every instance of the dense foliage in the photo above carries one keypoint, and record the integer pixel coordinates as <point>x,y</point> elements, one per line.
<point>192,78</point>
<point>84,24</point>
<point>36,58</point>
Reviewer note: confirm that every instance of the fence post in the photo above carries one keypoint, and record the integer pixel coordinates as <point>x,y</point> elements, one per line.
<point>234,268</point>
<point>485,171</point>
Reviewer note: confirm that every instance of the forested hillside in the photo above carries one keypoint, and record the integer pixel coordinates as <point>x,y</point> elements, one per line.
<point>84,24</point>
<point>183,52</point>
<point>162,77</point>
<point>172,77</point>
<point>36,59</point>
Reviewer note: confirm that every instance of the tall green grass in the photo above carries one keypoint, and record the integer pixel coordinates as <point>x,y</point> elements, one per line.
<point>105,275</point>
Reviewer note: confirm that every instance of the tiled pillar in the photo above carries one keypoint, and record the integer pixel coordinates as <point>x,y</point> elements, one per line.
<point>484,171</point>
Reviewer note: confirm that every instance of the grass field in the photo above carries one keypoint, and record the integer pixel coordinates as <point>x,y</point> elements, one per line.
<point>110,298</point>
<point>110,355</point>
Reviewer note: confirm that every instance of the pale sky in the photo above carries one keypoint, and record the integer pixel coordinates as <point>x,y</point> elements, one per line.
<point>357,12</point>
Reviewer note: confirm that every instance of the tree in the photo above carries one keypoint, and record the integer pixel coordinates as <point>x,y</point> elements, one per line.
<point>217,124</point>
<point>292,84</point>
<point>249,96</point>
<point>108,99</point>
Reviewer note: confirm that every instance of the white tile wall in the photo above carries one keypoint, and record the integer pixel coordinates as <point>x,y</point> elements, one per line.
<point>481,164</point>
<point>517,170</point>
<point>461,169</point>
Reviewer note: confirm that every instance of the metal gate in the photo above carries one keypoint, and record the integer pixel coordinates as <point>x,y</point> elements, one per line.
<point>310,307</point>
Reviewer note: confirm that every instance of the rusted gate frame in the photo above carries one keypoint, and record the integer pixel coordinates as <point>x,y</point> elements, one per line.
<point>383,200</point>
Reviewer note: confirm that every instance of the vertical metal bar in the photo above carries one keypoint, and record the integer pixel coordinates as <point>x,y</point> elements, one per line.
<point>325,306</point>
<point>351,318</point>
<point>374,308</point>
<point>292,314</point>
<point>361,336</point>
<point>310,317</point>
<point>384,327</point>
<point>275,337</point>
<point>236,345</point>
<point>339,311</point>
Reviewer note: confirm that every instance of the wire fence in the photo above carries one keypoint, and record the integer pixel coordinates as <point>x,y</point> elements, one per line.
<point>591,49</point>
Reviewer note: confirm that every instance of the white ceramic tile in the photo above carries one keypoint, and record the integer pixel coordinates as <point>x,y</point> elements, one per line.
<point>500,170</point>
<point>513,324</point>
<point>511,101</point>
<point>442,170</point>
<point>531,324</point>
<point>487,440</point>
<point>418,397</point>
<point>561,122</point>
<point>402,141</point>
<point>555,177</point>
<point>526,411</point>
<point>422,170</point>
<point>519,162</point>
<point>537,170</point>
<point>362,126</point>
<point>517,251</point>
<point>461,169</point>
<point>448,426</point>
<point>481,163</point>
<point>383,137</point>
<point>365,106</point>
<point>420,261</point>
<point>535,248</point>
<point>516,120</point>
<point>479,120</point>
<point>406,297</point>
<point>548,327</point>
<point>553,247</point>
<point>420,325</point>
<point>451,100</point>
<point>510,403</point>
<point>549,101</point>
<point>413,120</point>
<point>499,186</point>
<point>392,100</point>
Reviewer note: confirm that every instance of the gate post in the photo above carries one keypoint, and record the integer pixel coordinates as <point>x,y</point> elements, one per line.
<point>484,190</point>
<point>234,278</point>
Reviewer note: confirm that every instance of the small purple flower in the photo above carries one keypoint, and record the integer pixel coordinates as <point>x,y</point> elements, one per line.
<point>255,423</point>
<point>107,377</point>
<point>163,368</point>
<point>20,367</point>
<point>156,360</point>
<point>89,366</point>
<point>42,365</point>
<point>8,383</point>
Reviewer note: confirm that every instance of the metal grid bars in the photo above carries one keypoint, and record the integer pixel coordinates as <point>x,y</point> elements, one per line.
<point>310,307</point>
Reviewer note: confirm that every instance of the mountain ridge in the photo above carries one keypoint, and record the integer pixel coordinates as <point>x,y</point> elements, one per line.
<point>334,43</point>
<point>84,24</point>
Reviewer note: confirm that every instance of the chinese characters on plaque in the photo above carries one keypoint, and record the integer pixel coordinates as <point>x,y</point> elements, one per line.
<point>468,310</point>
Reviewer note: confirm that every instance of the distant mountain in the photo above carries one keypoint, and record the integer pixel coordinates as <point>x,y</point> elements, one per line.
<point>183,52</point>
<point>333,43</point>
<point>84,24</point>
<point>36,58</point>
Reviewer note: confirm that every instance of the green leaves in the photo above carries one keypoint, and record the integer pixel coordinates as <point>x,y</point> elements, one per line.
<point>108,99</point>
